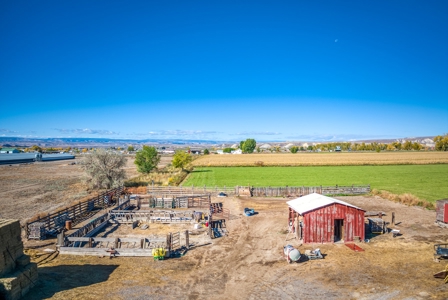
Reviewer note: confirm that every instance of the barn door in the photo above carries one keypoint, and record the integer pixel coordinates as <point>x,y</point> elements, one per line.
<point>338,230</point>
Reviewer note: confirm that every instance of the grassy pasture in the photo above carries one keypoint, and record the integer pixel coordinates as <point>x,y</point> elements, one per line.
<point>323,159</point>
<point>429,182</point>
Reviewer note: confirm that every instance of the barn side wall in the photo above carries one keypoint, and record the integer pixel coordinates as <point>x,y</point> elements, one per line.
<point>440,210</point>
<point>318,225</point>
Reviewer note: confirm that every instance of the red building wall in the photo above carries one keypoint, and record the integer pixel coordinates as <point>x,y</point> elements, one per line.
<point>442,210</point>
<point>318,225</point>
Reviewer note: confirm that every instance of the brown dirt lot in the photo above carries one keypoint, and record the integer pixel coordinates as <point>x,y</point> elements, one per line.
<point>246,264</point>
<point>30,189</point>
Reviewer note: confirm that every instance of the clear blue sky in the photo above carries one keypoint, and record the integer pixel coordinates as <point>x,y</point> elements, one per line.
<point>224,70</point>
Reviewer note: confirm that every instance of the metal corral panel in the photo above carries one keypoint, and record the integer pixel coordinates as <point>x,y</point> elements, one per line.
<point>442,210</point>
<point>318,225</point>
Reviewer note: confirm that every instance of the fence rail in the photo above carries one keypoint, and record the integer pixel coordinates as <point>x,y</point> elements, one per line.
<point>259,191</point>
<point>153,216</point>
<point>118,246</point>
<point>189,190</point>
<point>304,190</point>
<point>53,222</point>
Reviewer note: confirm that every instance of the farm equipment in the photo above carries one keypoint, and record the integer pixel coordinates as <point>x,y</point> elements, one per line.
<point>249,212</point>
<point>395,232</point>
<point>313,254</point>
<point>291,254</point>
<point>442,274</point>
<point>158,253</point>
<point>441,251</point>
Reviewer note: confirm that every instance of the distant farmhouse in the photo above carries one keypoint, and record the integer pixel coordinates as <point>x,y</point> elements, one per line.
<point>9,150</point>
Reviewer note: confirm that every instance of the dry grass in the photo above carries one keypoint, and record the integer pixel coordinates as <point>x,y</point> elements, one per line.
<point>406,198</point>
<point>163,178</point>
<point>323,159</point>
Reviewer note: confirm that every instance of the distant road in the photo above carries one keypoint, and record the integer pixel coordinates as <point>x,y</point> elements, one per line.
<point>20,158</point>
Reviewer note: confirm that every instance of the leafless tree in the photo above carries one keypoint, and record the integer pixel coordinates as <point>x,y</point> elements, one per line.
<point>104,169</point>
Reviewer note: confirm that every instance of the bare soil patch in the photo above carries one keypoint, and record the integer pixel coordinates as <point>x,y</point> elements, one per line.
<point>30,189</point>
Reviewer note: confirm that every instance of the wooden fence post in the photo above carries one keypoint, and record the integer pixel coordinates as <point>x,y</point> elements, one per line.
<point>187,239</point>
<point>169,241</point>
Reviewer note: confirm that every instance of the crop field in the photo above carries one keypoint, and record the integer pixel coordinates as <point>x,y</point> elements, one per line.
<point>428,182</point>
<point>323,159</point>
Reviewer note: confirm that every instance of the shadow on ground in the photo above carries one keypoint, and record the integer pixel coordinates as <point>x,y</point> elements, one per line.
<point>65,277</point>
<point>201,171</point>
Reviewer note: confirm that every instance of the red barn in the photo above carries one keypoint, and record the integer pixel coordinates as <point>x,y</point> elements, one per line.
<point>442,211</point>
<point>320,219</point>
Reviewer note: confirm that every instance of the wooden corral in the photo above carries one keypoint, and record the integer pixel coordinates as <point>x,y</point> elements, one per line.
<point>152,216</point>
<point>39,227</point>
<point>298,191</point>
<point>218,212</point>
<point>169,191</point>
<point>250,191</point>
<point>319,219</point>
<point>185,201</point>
<point>100,246</point>
<point>442,211</point>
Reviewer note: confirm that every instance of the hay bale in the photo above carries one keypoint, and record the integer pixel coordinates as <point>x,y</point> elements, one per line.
<point>11,247</point>
<point>17,284</point>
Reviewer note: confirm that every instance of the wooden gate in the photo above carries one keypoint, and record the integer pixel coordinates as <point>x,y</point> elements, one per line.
<point>175,240</point>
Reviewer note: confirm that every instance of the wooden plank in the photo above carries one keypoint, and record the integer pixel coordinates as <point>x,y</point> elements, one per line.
<point>103,252</point>
<point>110,240</point>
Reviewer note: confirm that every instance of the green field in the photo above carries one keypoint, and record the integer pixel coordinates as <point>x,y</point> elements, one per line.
<point>428,182</point>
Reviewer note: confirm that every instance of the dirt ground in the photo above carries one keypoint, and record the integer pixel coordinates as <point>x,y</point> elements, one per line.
<point>245,264</point>
<point>248,263</point>
<point>30,189</point>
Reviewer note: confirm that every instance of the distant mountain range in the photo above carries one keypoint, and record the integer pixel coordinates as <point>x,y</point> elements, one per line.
<point>96,142</point>
<point>106,142</point>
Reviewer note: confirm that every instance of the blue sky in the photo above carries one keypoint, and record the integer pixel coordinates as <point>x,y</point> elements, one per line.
<point>224,70</point>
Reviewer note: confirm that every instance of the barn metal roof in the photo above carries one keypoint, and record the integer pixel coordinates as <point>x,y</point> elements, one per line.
<point>314,201</point>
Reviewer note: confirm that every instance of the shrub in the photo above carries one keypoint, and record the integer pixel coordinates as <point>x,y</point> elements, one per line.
<point>135,183</point>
